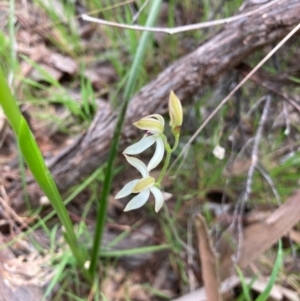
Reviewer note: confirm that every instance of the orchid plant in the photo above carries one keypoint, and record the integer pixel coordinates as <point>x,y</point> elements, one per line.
<point>154,126</point>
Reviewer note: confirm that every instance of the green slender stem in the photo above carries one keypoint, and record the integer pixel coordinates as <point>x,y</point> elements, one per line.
<point>163,171</point>
<point>169,151</point>
<point>167,160</point>
<point>177,135</point>
<point>103,200</point>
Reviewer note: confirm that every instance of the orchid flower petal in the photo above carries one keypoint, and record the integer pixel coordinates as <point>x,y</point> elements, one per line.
<point>150,124</point>
<point>140,146</point>
<point>126,190</point>
<point>158,196</point>
<point>158,117</point>
<point>158,155</point>
<point>138,164</point>
<point>138,201</point>
<point>143,184</point>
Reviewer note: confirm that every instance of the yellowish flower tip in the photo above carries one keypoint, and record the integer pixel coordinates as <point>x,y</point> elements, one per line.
<point>150,124</point>
<point>143,184</point>
<point>175,111</point>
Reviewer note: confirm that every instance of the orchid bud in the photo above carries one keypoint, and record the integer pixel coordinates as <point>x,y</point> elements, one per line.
<point>175,111</point>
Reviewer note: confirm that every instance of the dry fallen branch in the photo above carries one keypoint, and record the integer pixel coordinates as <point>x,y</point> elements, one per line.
<point>223,51</point>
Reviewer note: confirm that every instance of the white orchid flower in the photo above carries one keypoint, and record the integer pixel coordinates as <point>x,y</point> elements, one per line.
<point>154,125</point>
<point>141,186</point>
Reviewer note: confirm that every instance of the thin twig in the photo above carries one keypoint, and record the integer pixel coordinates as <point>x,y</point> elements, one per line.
<point>10,214</point>
<point>267,84</point>
<point>137,14</point>
<point>260,168</point>
<point>192,281</point>
<point>269,180</point>
<point>287,133</point>
<point>254,160</point>
<point>180,28</point>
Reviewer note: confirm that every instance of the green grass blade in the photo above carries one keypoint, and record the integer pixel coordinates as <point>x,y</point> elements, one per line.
<point>36,164</point>
<point>294,79</point>
<point>101,215</point>
<point>58,274</point>
<point>130,252</point>
<point>245,286</point>
<point>103,297</point>
<point>265,294</point>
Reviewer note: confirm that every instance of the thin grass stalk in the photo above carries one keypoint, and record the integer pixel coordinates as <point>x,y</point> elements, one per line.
<point>36,164</point>
<point>277,265</point>
<point>103,200</point>
<point>245,286</point>
<point>13,67</point>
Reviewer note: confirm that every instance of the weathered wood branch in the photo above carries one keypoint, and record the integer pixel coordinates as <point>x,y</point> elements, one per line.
<point>220,53</point>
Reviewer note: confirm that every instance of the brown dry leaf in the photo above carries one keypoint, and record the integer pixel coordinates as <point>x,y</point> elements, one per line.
<point>208,260</point>
<point>60,62</point>
<point>120,285</point>
<point>24,37</point>
<point>22,278</point>
<point>52,62</point>
<point>36,26</point>
<point>38,76</point>
<point>101,74</point>
<point>200,294</point>
<point>259,237</point>
<point>294,236</point>
<point>237,167</point>
<point>137,292</point>
<point>35,54</point>
<point>111,284</point>
<point>161,279</point>
<point>256,216</point>
<point>277,292</point>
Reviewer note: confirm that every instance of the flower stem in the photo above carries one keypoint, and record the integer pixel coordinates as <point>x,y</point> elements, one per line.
<point>176,135</point>
<point>166,165</point>
<point>169,151</point>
